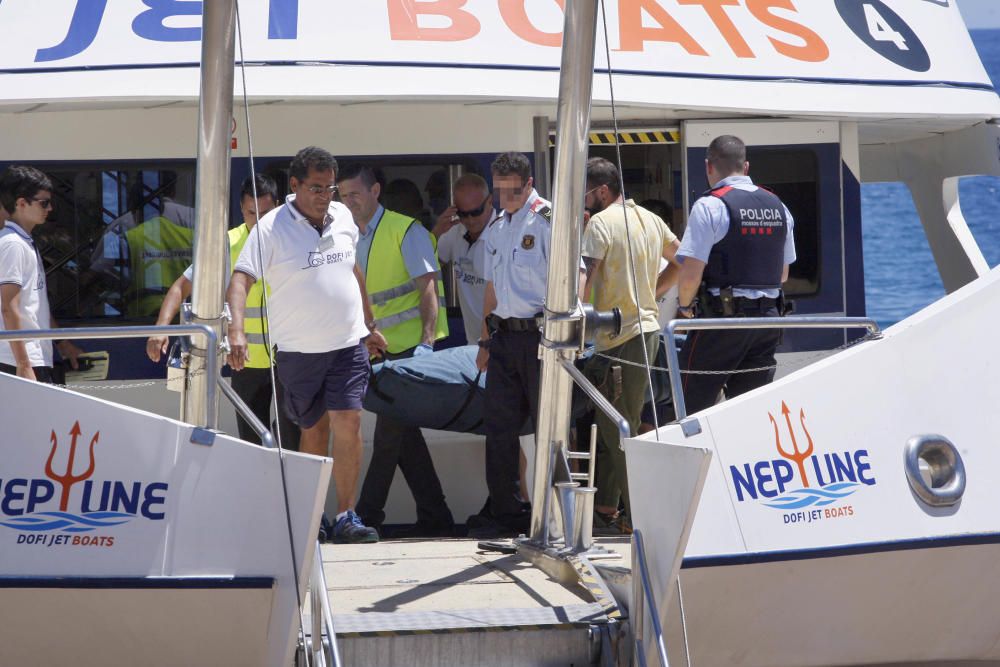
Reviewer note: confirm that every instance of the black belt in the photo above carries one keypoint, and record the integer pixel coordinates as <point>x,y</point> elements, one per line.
<point>514,324</point>
<point>742,304</point>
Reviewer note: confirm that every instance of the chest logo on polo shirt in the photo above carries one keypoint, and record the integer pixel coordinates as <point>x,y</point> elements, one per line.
<point>528,242</point>
<point>317,259</point>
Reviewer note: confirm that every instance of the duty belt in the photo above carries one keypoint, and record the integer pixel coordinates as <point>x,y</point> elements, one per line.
<point>741,305</point>
<point>514,324</point>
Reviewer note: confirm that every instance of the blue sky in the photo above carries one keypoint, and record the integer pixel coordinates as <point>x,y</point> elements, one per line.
<point>980,13</point>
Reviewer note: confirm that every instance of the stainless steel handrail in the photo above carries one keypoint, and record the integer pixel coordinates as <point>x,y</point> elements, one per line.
<point>676,389</point>
<point>96,333</point>
<point>244,411</point>
<point>319,581</point>
<point>642,591</point>
<point>600,401</point>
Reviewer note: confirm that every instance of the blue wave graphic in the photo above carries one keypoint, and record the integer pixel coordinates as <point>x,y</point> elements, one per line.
<point>827,495</point>
<point>66,521</point>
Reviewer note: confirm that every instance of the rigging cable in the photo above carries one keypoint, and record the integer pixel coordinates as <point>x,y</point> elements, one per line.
<point>266,331</point>
<point>628,232</point>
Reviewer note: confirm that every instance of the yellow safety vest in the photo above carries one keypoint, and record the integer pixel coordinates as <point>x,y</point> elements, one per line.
<point>394,297</point>
<point>159,251</point>
<point>253,318</point>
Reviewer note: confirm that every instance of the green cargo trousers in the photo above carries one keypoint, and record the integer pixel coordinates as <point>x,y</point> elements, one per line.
<point>628,397</point>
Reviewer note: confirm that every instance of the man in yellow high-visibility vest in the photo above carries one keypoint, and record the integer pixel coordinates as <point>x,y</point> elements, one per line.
<point>398,257</point>
<point>253,383</point>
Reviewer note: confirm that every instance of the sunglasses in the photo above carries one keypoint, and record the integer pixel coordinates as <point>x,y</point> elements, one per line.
<point>322,189</point>
<point>476,212</point>
<point>44,203</point>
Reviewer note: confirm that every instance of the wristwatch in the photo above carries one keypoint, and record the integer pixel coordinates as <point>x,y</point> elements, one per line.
<point>686,311</point>
<point>484,343</point>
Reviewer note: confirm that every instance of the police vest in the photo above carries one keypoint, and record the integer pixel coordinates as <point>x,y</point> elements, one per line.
<point>394,297</point>
<point>752,254</point>
<point>159,251</point>
<point>254,324</point>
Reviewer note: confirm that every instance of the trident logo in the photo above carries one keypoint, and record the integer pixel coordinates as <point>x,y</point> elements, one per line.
<point>795,455</point>
<point>68,479</point>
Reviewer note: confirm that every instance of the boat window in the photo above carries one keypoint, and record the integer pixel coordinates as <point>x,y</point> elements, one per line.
<point>793,175</point>
<point>117,238</point>
<point>651,175</point>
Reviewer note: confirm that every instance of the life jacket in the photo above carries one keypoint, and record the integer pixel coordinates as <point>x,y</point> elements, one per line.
<point>253,319</point>
<point>159,251</point>
<point>751,255</point>
<point>394,297</point>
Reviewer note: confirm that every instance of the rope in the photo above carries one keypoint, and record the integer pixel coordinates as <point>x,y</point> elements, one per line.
<point>628,231</point>
<point>267,342</point>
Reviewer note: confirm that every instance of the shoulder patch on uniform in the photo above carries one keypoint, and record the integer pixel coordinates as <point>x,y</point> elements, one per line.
<point>545,212</point>
<point>719,192</point>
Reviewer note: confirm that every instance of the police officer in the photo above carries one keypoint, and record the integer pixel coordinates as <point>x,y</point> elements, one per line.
<point>517,259</point>
<point>739,242</point>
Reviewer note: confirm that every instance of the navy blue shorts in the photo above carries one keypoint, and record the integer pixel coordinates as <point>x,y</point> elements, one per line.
<point>317,382</point>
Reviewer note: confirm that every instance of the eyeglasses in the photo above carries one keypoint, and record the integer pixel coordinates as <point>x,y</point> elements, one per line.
<point>44,203</point>
<point>592,190</point>
<point>476,212</point>
<point>322,189</point>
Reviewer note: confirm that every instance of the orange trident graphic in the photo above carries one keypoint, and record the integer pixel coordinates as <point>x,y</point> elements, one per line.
<point>795,455</point>
<point>68,479</point>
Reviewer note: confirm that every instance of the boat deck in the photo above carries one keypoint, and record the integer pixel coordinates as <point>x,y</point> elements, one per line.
<point>448,602</point>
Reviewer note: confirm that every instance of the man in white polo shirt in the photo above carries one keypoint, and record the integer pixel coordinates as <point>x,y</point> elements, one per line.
<point>26,193</point>
<point>461,232</point>
<point>317,312</point>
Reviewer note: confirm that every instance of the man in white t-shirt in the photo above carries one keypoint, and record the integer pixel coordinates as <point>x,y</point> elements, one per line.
<point>319,319</point>
<point>27,194</point>
<point>461,233</point>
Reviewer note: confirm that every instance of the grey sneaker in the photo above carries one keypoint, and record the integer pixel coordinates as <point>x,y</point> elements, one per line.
<point>350,530</point>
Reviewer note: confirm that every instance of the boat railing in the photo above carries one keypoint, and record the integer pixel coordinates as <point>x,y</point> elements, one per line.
<point>676,388</point>
<point>141,331</point>
<point>644,600</point>
<point>318,647</point>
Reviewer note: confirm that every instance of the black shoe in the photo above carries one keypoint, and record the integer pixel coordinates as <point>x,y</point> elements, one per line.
<point>488,528</point>
<point>325,529</point>
<point>424,529</point>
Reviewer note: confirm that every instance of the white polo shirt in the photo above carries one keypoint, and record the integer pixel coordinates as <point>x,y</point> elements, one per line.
<point>469,260</point>
<point>315,302</point>
<point>21,265</point>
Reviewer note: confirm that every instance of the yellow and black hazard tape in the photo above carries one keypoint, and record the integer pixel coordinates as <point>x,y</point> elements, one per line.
<point>590,580</point>
<point>456,631</point>
<point>626,138</point>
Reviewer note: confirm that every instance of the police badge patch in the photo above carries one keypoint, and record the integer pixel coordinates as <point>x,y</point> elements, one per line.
<point>528,242</point>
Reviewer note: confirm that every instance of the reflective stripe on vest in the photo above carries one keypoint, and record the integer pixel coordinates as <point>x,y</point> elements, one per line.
<point>253,316</point>
<point>393,294</point>
<point>159,251</point>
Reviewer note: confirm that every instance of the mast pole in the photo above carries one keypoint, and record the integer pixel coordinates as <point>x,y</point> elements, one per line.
<point>563,317</point>
<point>211,249</point>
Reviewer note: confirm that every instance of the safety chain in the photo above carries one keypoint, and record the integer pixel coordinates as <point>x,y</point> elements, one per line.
<point>134,385</point>
<point>800,362</point>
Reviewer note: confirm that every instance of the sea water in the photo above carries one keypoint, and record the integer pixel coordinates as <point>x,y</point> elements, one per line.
<point>900,274</point>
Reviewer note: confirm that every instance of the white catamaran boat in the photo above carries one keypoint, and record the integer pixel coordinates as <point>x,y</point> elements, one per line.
<point>844,514</point>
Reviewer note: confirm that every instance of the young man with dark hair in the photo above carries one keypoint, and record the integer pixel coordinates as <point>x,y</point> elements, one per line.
<point>319,319</point>
<point>739,242</point>
<point>623,247</point>
<point>397,256</point>
<point>26,194</point>
<point>253,383</point>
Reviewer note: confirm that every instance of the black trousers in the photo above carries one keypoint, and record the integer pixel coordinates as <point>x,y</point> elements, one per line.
<point>42,373</point>
<point>397,444</point>
<point>253,385</point>
<point>725,351</point>
<point>511,396</point>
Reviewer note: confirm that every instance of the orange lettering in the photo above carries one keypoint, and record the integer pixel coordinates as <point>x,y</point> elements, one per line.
<point>634,35</point>
<point>516,17</point>
<point>404,25</point>
<point>814,50</point>
<point>716,11</point>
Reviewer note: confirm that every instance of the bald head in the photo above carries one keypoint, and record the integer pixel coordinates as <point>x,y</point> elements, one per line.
<point>472,182</point>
